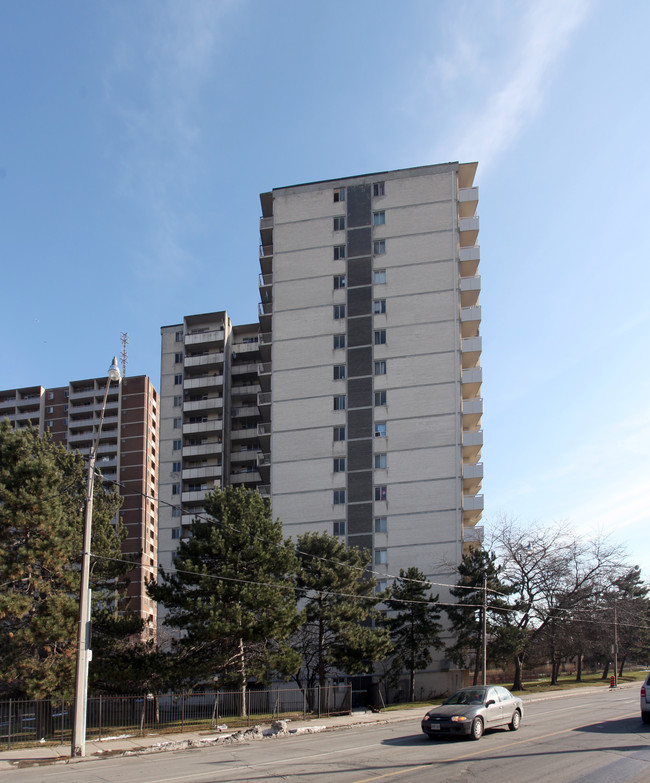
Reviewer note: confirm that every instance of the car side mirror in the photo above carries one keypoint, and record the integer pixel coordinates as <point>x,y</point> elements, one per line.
<point>489,702</point>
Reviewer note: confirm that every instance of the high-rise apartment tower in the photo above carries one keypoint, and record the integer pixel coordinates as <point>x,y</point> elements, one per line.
<point>127,455</point>
<point>370,350</point>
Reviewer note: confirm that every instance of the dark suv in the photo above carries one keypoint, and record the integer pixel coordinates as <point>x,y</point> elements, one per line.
<point>645,700</point>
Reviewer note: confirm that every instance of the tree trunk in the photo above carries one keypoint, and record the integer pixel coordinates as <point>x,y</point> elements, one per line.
<point>620,670</point>
<point>579,667</point>
<point>477,665</point>
<point>519,670</point>
<point>412,686</point>
<point>605,671</point>
<point>242,685</point>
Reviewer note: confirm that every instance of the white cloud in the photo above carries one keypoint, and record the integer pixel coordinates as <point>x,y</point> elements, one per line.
<point>163,56</point>
<point>508,83</point>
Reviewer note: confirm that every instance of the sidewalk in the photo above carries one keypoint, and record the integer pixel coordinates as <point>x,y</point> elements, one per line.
<point>96,750</point>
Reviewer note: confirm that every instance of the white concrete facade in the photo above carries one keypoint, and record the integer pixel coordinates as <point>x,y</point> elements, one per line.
<point>388,263</point>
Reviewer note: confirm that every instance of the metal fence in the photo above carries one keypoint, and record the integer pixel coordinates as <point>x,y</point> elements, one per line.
<point>50,720</point>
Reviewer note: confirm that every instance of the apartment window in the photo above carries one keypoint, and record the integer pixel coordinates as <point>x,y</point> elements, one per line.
<point>178,380</point>
<point>339,372</point>
<point>339,433</point>
<point>178,445</point>
<point>339,223</point>
<point>338,497</point>
<point>179,337</point>
<point>339,402</point>
<point>50,409</point>
<point>378,218</point>
<point>379,247</point>
<point>380,461</point>
<point>176,512</point>
<point>339,312</point>
<point>380,337</point>
<point>50,395</point>
<point>381,556</point>
<point>176,489</point>
<point>65,408</point>
<point>380,429</point>
<point>380,368</point>
<point>176,467</point>
<point>176,532</point>
<point>338,528</point>
<point>380,493</point>
<point>178,423</point>
<point>379,306</point>
<point>339,465</point>
<point>382,585</point>
<point>339,194</point>
<point>178,358</point>
<point>178,401</point>
<point>339,281</point>
<point>339,252</point>
<point>339,341</point>
<point>381,525</point>
<point>379,276</point>
<point>380,398</point>
<point>378,189</point>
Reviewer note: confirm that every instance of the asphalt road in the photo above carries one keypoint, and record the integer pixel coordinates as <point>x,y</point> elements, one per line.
<point>594,737</point>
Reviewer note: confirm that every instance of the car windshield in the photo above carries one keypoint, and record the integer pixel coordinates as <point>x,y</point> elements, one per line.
<point>471,696</point>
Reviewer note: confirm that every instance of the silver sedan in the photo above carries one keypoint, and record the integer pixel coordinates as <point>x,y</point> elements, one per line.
<point>472,710</point>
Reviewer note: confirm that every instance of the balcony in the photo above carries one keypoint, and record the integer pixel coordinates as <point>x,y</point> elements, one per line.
<point>208,381</point>
<point>470,319</point>
<point>468,228</point>
<point>214,425</point>
<point>470,288</point>
<point>472,509</point>
<point>266,230</point>
<point>266,259</point>
<point>244,433</point>
<point>472,536</point>
<point>472,413</point>
<point>210,359</point>
<point>244,412</point>
<point>245,455</point>
<point>467,201</point>
<point>205,471</point>
<point>196,496</point>
<point>471,380</point>
<point>245,369</point>
<point>266,287</point>
<point>264,405</point>
<point>472,477</point>
<point>202,450</point>
<point>471,348</point>
<point>264,490</point>
<point>211,404</point>
<point>472,445</point>
<point>212,338</point>
<point>469,260</point>
<point>249,477</point>
<point>265,313</point>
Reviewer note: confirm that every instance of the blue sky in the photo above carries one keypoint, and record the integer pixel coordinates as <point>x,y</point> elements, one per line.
<point>135,138</point>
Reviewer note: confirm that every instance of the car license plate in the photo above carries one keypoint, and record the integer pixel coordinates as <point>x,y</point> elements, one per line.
<point>434,726</point>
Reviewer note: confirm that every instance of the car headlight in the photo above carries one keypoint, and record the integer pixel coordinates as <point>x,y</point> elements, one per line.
<point>457,718</point>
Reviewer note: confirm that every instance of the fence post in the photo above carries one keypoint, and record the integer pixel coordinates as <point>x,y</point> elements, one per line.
<point>62,716</point>
<point>182,712</point>
<point>99,718</point>
<point>304,703</point>
<point>318,695</point>
<point>9,725</point>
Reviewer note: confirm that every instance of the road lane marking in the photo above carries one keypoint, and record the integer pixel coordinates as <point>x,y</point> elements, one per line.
<point>426,764</point>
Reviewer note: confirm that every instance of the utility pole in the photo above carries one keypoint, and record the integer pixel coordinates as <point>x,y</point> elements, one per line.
<point>484,629</point>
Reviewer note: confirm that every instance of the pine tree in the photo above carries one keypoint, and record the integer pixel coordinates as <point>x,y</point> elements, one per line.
<point>233,592</point>
<point>337,632</point>
<point>413,625</point>
<point>42,490</point>
<point>478,568</point>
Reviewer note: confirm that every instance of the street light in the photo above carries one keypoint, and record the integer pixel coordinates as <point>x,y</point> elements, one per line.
<point>84,654</point>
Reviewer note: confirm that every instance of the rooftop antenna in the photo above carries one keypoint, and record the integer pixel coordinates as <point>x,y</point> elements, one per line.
<point>124,356</point>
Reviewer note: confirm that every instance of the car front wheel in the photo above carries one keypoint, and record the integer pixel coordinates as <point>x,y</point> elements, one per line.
<point>477,729</point>
<point>515,723</point>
